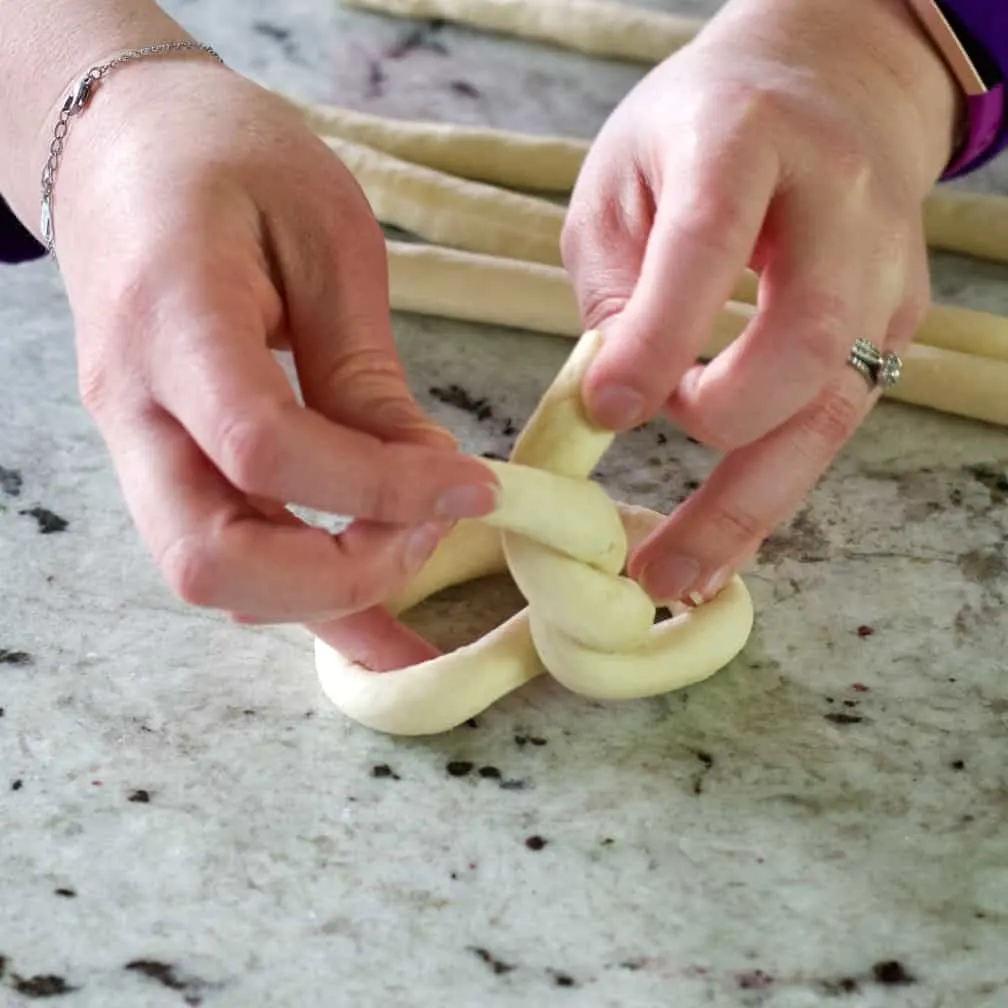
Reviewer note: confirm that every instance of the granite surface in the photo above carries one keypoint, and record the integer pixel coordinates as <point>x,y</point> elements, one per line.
<point>184,819</point>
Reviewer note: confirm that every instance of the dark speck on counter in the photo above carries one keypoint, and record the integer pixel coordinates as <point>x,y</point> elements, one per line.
<point>754,980</point>
<point>383,770</point>
<point>47,521</point>
<point>459,768</point>
<point>535,843</point>
<point>44,985</point>
<point>455,395</point>
<point>140,796</point>
<point>892,973</point>
<point>837,717</point>
<point>8,657</point>
<point>498,966</point>
<point>465,88</point>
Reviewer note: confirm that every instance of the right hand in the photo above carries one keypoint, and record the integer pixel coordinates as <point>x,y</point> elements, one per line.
<point>199,225</point>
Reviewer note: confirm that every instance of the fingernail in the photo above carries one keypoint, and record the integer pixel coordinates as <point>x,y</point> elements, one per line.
<point>472,501</point>
<point>670,579</point>
<point>713,585</point>
<point>618,408</point>
<point>421,544</point>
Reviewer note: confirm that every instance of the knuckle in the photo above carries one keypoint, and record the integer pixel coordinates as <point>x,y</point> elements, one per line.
<point>249,451</point>
<point>190,570</point>
<point>712,217</point>
<point>852,171</point>
<point>94,386</point>
<point>383,497</point>
<point>829,423</point>
<point>732,523</point>
<point>825,330</point>
<point>598,305</point>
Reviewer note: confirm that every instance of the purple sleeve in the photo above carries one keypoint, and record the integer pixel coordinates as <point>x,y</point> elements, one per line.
<point>982,25</point>
<point>17,244</point>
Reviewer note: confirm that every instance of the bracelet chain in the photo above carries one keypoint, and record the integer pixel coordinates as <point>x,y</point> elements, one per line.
<point>75,103</point>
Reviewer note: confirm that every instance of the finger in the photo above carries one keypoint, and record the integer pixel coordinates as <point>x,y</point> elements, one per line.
<point>749,493</point>
<point>213,372</point>
<point>707,222</point>
<point>605,233</point>
<point>816,297</point>
<point>341,336</point>
<point>375,639</point>
<point>217,551</point>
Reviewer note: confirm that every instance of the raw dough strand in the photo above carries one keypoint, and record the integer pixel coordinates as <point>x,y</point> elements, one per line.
<point>477,217</point>
<point>427,276</point>
<point>538,298</point>
<point>446,210</point>
<point>954,221</point>
<point>970,223</point>
<point>592,27</point>
<point>522,161</point>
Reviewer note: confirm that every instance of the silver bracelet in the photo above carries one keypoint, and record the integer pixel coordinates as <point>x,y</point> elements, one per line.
<point>75,103</point>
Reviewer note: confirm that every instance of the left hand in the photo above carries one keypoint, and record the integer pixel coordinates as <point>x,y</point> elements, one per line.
<point>799,139</point>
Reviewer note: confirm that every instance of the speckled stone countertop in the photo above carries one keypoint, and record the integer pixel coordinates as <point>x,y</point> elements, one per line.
<point>184,819</point>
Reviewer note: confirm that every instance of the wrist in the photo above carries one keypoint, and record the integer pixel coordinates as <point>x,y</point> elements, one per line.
<point>49,47</point>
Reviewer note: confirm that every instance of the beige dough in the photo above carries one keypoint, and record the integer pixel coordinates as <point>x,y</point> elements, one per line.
<point>565,543</point>
<point>969,223</point>
<point>593,27</point>
<point>447,210</point>
<point>440,282</point>
<point>520,161</point>
<point>954,221</point>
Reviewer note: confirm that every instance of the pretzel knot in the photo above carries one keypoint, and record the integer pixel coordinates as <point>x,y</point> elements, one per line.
<point>565,544</point>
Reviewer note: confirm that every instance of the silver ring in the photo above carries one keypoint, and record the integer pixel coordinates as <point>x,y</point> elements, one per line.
<point>879,370</point>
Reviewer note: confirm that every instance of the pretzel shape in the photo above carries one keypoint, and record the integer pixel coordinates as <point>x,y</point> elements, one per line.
<point>565,543</point>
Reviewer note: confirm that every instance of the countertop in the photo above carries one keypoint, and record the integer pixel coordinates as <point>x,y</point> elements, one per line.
<point>186,820</point>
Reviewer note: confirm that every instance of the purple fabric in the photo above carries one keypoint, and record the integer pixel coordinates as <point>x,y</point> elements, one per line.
<point>985,23</point>
<point>17,244</point>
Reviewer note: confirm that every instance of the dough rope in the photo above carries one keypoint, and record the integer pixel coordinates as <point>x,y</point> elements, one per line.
<point>565,544</point>
<point>429,280</point>
<point>447,210</point>
<point>475,217</point>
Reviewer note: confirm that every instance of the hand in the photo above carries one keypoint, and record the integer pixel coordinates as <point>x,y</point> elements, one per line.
<point>199,227</point>
<point>799,139</point>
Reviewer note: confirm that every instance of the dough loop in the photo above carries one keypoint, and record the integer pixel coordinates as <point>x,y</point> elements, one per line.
<point>565,544</point>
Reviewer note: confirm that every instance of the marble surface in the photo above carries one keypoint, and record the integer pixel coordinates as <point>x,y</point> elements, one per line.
<point>184,819</point>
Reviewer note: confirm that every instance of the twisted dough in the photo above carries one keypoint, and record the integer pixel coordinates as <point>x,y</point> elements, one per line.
<point>565,543</point>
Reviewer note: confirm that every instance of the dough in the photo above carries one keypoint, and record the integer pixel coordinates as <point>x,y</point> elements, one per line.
<point>565,544</point>
<point>438,281</point>
<point>446,210</point>
<point>954,221</point>
<point>476,217</point>
<point>521,161</point>
<point>593,27</point>
<point>969,223</point>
